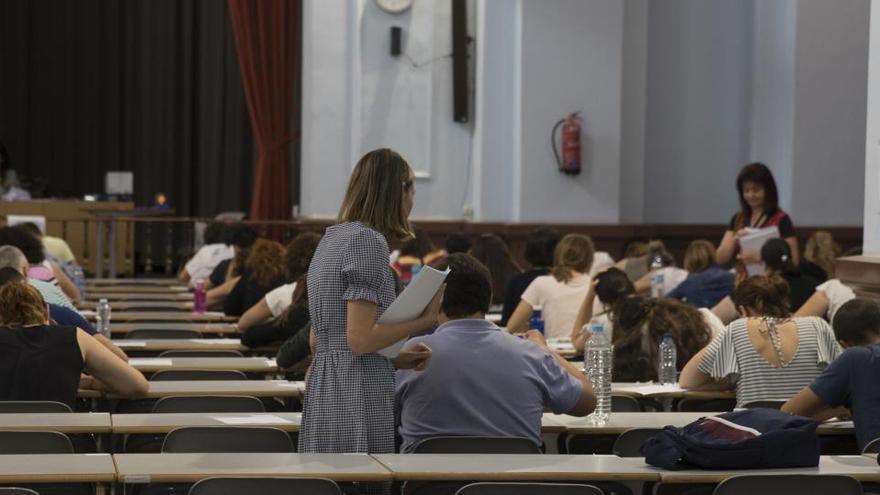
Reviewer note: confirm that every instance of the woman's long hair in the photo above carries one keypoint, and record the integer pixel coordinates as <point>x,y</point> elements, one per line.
<point>265,263</point>
<point>763,296</point>
<point>21,305</point>
<point>823,251</point>
<point>760,174</point>
<point>573,254</point>
<point>492,251</point>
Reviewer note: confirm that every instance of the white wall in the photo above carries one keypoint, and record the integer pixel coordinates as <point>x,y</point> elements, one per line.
<point>872,144</point>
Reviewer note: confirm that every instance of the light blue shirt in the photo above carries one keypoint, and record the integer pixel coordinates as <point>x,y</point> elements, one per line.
<point>481,381</point>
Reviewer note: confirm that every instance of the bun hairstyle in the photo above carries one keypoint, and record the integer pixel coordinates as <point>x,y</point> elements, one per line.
<point>763,295</point>
<point>639,326</point>
<point>574,253</point>
<point>776,254</point>
<point>656,247</point>
<point>612,286</point>
<point>21,305</point>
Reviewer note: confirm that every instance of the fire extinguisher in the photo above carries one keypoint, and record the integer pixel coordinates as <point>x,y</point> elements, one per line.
<point>570,162</point>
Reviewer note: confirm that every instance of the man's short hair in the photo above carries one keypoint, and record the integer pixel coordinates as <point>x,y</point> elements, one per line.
<point>241,235</point>
<point>458,243</point>
<point>468,286</point>
<point>857,322</point>
<point>10,275</point>
<point>216,233</point>
<point>12,257</point>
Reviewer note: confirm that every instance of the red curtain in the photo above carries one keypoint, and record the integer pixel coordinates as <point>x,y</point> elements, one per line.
<point>267,38</point>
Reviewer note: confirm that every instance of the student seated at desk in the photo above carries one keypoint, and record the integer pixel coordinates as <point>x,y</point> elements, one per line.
<point>851,380</point>
<point>768,354</point>
<point>828,298</point>
<point>241,238</point>
<point>215,250</point>
<point>39,361</point>
<point>706,283</point>
<point>539,254</point>
<point>38,267</point>
<point>610,287</point>
<point>12,257</point>
<point>263,271</point>
<point>482,380</point>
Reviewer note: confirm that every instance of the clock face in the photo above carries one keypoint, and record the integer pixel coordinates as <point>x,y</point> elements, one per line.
<point>394,6</point>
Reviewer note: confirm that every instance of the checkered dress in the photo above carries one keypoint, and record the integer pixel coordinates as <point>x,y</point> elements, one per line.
<point>349,400</point>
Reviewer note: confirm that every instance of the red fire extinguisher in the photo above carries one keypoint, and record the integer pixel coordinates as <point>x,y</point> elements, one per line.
<point>570,162</point>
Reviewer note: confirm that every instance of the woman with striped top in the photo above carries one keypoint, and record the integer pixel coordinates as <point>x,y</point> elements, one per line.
<point>767,355</point>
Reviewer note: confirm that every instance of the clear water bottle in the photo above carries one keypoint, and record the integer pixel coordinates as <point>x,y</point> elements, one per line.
<point>200,298</point>
<point>668,361</point>
<point>657,276</point>
<point>103,318</point>
<point>537,320</point>
<point>78,276</point>
<point>597,362</point>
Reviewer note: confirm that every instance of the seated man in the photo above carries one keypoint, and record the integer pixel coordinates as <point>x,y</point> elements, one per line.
<point>851,379</point>
<point>215,250</point>
<point>482,381</point>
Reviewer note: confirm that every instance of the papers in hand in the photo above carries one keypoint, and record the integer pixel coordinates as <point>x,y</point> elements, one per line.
<point>411,302</point>
<point>751,244</point>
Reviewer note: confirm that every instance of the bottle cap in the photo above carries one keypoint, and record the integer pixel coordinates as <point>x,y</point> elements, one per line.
<point>667,336</point>
<point>103,300</point>
<point>598,328</point>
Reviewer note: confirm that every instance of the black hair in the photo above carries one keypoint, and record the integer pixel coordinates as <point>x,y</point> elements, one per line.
<point>540,247</point>
<point>776,254</point>
<point>241,235</point>
<point>468,286</point>
<point>760,174</point>
<point>857,321</point>
<point>216,233</point>
<point>31,246</point>
<point>458,243</point>
<point>10,275</point>
<point>419,246</point>
<point>31,228</point>
<point>612,285</point>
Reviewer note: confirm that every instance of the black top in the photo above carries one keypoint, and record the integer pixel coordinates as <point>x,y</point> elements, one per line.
<point>40,363</point>
<point>786,228</point>
<point>246,293</point>
<point>276,330</point>
<point>515,288</point>
<point>813,270</point>
<point>800,287</point>
<point>218,274</point>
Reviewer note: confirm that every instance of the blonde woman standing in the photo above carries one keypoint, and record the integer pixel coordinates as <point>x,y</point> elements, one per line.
<point>349,399</point>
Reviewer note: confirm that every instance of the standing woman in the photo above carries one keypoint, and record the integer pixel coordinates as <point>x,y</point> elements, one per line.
<point>349,400</point>
<point>759,208</point>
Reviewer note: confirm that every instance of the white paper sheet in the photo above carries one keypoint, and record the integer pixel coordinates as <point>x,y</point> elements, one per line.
<point>646,389</point>
<point>751,244</point>
<point>124,344</point>
<point>135,362</point>
<point>253,419</point>
<point>411,302</point>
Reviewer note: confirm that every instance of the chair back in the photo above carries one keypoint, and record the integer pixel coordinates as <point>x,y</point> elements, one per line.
<point>209,404</point>
<point>34,442</point>
<point>624,403</point>
<point>197,353</point>
<point>162,333</point>
<point>498,488</point>
<point>14,490</point>
<point>33,406</point>
<point>264,486</point>
<point>873,447</point>
<point>706,405</point>
<point>222,439</point>
<point>769,404</point>
<point>180,375</point>
<point>476,445</point>
<point>629,443</point>
<point>789,484</point>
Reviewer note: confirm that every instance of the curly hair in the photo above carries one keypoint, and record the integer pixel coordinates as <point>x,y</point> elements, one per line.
<point>265,263</point>
<point>22,305</point>
<point>574,253</point>
<point>30,245</point>
<point>763,295</point>
<point>639,326</point>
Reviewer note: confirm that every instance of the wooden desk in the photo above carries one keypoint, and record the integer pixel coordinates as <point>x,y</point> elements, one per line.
<point>141,289</point>
<point>639,390</point>
<point>57,468</point>
<point>205,328</point>
<point>188,468</point>
<point>245,364</point>
<point>256,388</point>
<point>516,467</point>
<point>163,423</point>
<point>138,305</point>
<point>167,316</point>
<point>103,282</point>
<point>63,422</point>
<point>156,345</point>
<point>139,296</point>
<point>859,467</point>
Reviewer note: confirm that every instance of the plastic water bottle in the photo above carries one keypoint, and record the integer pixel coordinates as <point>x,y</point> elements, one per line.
<point>103,318</point>
<point>657,276</point>
<point>537,321</point>
<point>597,362</point>
<point>79,277</point>
<point>668,361</point>
<point>200,298</point>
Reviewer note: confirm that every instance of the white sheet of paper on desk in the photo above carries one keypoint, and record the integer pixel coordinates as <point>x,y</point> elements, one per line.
<point>135,362</point>
<point>411,302</point>
<point>127,344</point>
<point>261,419</point>
<point>751,244</point>
<point>646,389</point>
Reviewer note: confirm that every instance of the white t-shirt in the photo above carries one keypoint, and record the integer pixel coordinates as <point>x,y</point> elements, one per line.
<point>559,302</point>
<point>716,326</point>
<point>837,294</point>
<point>672,277</point>
<point>601,261</point>
<point>278,299</point>
<point>205,260</point>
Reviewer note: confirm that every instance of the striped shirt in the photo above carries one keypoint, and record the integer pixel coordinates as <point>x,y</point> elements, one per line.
<point>731,355</point>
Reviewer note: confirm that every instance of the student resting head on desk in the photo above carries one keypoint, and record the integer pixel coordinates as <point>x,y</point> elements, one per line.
<point>768,354</point>
<point>851,380</point>
<point>43,362</point>
<point>483,381</point>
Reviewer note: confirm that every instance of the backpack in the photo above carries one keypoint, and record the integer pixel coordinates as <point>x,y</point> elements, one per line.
<point>750,439</point>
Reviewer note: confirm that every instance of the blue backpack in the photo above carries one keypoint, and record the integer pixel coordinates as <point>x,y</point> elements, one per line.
<point>749,439</point>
